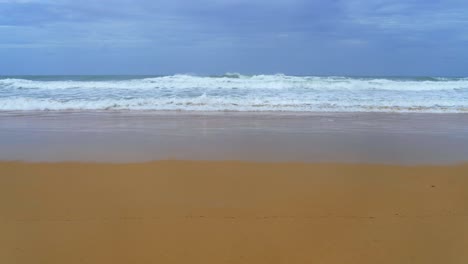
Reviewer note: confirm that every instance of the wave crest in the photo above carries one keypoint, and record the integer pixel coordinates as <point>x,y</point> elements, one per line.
<point>236,92</point>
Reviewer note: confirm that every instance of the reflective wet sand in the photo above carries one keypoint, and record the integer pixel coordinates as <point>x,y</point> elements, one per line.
<point>313,137</point>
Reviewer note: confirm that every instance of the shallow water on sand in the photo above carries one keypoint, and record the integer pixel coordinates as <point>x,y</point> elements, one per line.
<point>132,136</point>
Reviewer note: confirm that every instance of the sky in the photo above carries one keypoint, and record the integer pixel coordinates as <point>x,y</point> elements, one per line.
<point>297,37</point>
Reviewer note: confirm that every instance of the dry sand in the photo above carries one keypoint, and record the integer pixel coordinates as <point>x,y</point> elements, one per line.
<point>232,212</point>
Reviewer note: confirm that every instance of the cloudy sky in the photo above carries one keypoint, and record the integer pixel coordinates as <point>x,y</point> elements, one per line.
<point>317,37</point>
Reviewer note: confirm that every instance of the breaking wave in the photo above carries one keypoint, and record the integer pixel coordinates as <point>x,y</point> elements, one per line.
<point>235,92</point>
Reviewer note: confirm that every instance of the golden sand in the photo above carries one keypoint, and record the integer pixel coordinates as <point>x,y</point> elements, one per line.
<point>232,212</point>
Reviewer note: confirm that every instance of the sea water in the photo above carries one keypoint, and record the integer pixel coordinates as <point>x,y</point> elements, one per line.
<point>235,92</point>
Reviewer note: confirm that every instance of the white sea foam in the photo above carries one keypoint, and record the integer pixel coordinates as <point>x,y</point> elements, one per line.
<point>235,92</point>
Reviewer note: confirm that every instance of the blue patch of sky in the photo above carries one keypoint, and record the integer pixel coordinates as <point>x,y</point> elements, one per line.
<point>300,37</point>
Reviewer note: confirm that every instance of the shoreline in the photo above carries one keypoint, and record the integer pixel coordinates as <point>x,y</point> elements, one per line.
<point>242,162</point>
<point>219,112</point>
<point>319,137</point>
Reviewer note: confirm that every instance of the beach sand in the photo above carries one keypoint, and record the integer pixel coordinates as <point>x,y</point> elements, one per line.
<point>232,212</point>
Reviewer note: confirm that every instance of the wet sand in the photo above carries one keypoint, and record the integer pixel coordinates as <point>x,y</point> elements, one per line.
<point>280,204</point>
<point>232,212</point>
<point>138,136</point>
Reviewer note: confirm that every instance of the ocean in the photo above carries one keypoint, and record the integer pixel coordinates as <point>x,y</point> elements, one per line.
<point>235,92</point>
